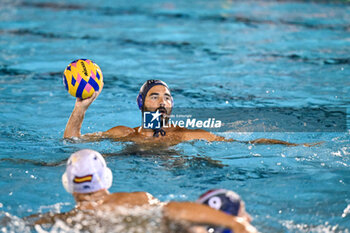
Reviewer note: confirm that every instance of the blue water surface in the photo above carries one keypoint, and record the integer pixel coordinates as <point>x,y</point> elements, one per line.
<point>212,54</point>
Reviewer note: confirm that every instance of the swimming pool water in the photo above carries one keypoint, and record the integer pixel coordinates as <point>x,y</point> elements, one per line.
<point>212,54</point>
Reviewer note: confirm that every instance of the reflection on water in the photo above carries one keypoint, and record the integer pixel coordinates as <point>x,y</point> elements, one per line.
<point>167,156</point>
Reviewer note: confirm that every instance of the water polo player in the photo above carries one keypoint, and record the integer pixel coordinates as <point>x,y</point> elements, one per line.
<point>154,95</point>
<point>88,179</point>
<point>226,201</point>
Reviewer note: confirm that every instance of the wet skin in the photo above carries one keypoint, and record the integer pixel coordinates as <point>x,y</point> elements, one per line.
<point>157,98</point>
<point>102,206</point>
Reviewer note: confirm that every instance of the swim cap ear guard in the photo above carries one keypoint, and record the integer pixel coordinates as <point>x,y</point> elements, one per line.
<point>144,90</point>
<point>108,178</point>
<point>139,101</point>
<point>65,184</point>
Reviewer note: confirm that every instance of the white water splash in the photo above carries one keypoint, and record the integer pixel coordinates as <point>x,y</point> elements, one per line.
<point>338,153</point>
<point>12,224</point>
<point>346,211</point>
<point>55,208</point>
<point>305,228</point>
<point>345,150</point>
<point>121,219</point>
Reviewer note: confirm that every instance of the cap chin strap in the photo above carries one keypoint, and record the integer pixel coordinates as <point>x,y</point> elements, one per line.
<point>107,181</point>
<point>160,131</point>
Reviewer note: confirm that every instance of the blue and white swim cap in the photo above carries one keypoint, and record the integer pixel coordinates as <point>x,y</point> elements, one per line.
<point>222,199</point>
<point>144,90</point>
<point>86,172</point>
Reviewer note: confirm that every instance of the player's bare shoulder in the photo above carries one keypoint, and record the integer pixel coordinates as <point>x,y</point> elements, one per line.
<point>132,199</point>
<point>118,132</point>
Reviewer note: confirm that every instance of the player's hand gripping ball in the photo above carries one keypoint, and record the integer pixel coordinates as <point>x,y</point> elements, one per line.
<point>82,78</point>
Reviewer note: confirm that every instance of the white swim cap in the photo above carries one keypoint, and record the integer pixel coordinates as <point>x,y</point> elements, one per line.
<point>86,172</point>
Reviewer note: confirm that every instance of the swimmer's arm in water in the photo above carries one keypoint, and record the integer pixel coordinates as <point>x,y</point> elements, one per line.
<point>274,141</point>
<point>202,214</point>
<point>200,134</point>
<point>75,120</point>
<point>193,134</point>
<point>269,141</point>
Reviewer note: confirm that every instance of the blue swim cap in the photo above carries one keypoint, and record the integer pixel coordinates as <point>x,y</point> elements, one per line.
<point>224,200</point>
<point>144,90</point>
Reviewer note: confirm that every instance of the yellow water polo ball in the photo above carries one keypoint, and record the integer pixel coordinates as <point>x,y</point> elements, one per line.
<point>82,78</point>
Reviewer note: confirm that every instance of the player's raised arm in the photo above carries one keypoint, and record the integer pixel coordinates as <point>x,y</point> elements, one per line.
<point>76,118</point>
<point>83,79</point>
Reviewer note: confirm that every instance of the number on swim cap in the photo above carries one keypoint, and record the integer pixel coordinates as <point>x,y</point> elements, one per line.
<point>215,202</point>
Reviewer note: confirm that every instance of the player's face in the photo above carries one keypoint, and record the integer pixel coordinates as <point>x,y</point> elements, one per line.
<point>158,98</point>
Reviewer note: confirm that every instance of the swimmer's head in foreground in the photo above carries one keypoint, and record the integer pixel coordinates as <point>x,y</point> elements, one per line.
<point>155,96</point>
<point>226,201</point>
<point>86,172</point>
<point>88,178</point>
